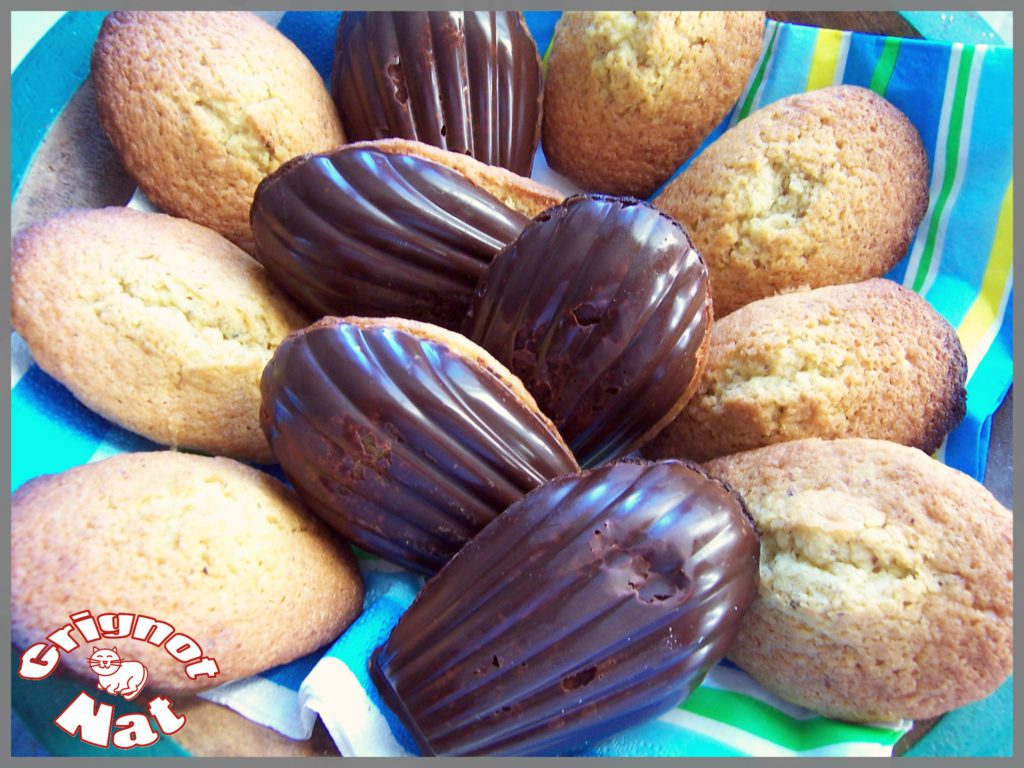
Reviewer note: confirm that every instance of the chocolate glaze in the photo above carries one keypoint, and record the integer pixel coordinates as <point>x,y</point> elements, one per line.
<point>467,81</point>
<point>600,306</point>
<point>403,445</point>
<point>597,601</point>
<point>364,232</point>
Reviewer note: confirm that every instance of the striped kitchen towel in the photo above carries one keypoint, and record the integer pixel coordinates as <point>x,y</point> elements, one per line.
<point>959,97</point>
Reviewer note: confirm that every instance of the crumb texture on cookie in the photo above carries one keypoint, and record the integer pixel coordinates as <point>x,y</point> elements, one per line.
<point>665,78</point>
<point>222,552</point>
<point>886,579</point>
<point>635,55</point>
<point>869,359</point>
<point>202,105</point>
<point>816,189</point>
<point>156,323</point>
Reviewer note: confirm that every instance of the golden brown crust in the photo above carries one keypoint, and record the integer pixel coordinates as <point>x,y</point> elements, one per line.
<point>817,189</point>
<point>886,579</point>
<point>458,345</point>
<point>524,195</point>
<point>156,323</point>
<point>629,96</point>
<point>202,105</point>
<point>869,359</point>
<point>221,551</point>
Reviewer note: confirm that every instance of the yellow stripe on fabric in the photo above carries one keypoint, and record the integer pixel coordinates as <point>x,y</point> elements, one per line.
<point>825,58</point>
<point>977,323</point>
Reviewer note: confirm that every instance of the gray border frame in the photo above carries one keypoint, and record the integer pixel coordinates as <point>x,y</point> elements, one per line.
<point>5,693</point>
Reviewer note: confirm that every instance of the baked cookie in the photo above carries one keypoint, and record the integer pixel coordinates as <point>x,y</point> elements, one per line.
<point>521,193</point>
<point>629,95</point>
<point>595,602</point>
<point>389,228</point>
<point>886,579</point>
<point>870,359</point>
<point>201,106</point>
<point>155,323</point>
<point>466,81</point>
<point>217,549</point>
<point>404,436</point>
<point>819,188</point>
<point>601,306</point>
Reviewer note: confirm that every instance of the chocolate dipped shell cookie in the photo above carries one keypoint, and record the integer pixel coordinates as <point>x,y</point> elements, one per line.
<point>870,359</point>
<point>158,324</point>
<point>601,306</point>
<point>816,189</point>
<point>405,437</point>
<point>466,81</point>
<point>886,585</point>
<point>597,601</point>
<point>389,228</point>
<point>200,106</point>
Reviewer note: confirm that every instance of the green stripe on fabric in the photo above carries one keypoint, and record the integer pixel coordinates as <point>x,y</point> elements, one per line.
<point>956,120</point>
<point>763,720</point>
<point>39,702</point>
<point>547,55</point>
<point>362,554</point>
<point>886,65</point>
<point>749,101</point>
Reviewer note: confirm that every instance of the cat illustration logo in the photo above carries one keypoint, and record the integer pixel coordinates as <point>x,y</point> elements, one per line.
<point>118,676</point>
<point>94,722</point>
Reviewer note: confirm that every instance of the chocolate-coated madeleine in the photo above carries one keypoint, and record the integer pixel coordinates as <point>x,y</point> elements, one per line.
<point>405,437</point>
<point>601,306</point>
<point>388,228</point>
<point>468,81</point>
<point>597,601</point>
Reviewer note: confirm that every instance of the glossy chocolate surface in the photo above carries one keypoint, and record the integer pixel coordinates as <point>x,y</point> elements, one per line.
<point>403,445</point>
<point>466,81</point>
<point>358,231</point>
<point>597,601</point>
<point>600,307</point>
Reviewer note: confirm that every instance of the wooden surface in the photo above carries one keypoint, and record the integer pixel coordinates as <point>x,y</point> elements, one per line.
<point>873,22</point>
<point>77,167</point>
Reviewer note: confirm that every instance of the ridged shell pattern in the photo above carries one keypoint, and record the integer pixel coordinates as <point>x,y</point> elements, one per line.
<point>403,445</point>
<point>466,81</point>
<point>362,232</point>
<point>600,306</point>
<point>597,601</point>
